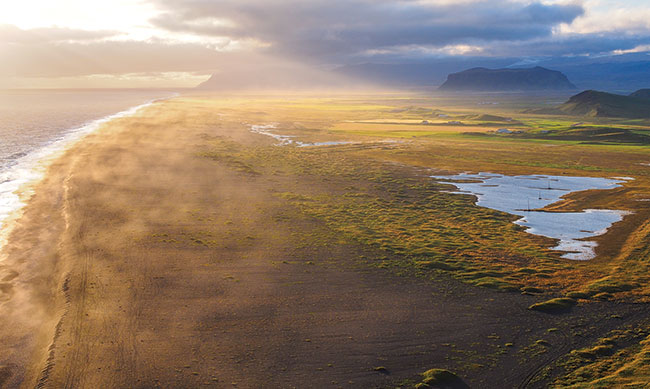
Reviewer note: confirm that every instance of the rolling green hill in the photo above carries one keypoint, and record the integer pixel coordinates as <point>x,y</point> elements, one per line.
<point>602,104</point>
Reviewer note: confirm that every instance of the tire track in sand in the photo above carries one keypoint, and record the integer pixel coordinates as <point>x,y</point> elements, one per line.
<point>67,251</point>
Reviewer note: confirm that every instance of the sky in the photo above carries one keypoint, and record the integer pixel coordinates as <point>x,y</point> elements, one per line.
<point>178,43</point>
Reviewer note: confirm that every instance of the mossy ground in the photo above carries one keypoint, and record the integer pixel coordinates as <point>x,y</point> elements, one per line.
<point>620,359</point>
<point>376,191</point>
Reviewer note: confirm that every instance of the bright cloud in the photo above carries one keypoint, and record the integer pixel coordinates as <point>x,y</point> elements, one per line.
<point>162,38</point>
<point>121,15</point>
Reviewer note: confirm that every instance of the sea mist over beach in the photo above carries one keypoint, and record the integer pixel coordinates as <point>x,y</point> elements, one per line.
<point>35,123</point>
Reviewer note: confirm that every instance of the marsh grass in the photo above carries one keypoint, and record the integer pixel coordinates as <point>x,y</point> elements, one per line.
<point>619,359</point>
<point>421,230</point>
<point>378,195</point>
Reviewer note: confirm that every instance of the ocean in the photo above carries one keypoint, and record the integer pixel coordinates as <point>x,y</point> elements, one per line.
<point>35,125</point>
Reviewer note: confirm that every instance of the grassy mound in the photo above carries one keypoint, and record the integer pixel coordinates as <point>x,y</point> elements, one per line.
<point>595,352</point>
<point>578,295</point>
<point>618,360</point>
<point>532,290</point>
<point>601,104</point>
<point>440,378</point>
<point>556,305</point>
<point>609,285</point>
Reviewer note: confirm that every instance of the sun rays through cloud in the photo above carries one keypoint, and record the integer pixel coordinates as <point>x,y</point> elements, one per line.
<point>41,39</point>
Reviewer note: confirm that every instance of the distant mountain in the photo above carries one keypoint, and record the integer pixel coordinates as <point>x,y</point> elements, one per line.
<point>415,74</point>
<point>527,79</point>
<point>616,73</point>
<point>603,104</point>
<point>611,73</point>
<point>641,93</point>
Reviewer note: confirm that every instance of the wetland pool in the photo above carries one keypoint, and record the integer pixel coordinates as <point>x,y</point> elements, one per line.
<point>286,140</point>
<point>526,195</point>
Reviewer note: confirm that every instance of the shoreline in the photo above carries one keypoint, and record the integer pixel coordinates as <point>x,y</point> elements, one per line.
<point>17,185</point>
<point>35,261</point>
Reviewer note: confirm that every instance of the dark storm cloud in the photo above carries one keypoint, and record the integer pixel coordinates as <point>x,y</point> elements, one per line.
<point>335,29</point>
<point>574,45</point>
<point>577,45</point>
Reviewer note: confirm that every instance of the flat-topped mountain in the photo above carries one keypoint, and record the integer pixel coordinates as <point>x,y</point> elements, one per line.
<point>529,79</point>
<point>596,104</point>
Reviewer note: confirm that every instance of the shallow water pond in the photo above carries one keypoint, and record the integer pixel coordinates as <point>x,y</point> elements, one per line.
<point>525,195</point>
<point>285,140</point>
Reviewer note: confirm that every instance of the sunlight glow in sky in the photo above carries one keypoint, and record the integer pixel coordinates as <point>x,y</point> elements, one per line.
<point>168,37</point>
<point>129,19</point>
<point>120,15</point>
<point>132,17</point>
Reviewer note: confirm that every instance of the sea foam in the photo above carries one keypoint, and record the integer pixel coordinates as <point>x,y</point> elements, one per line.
<point>16,180</point>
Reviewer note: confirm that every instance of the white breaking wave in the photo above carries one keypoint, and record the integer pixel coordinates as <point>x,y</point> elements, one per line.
<point>31,168</point>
